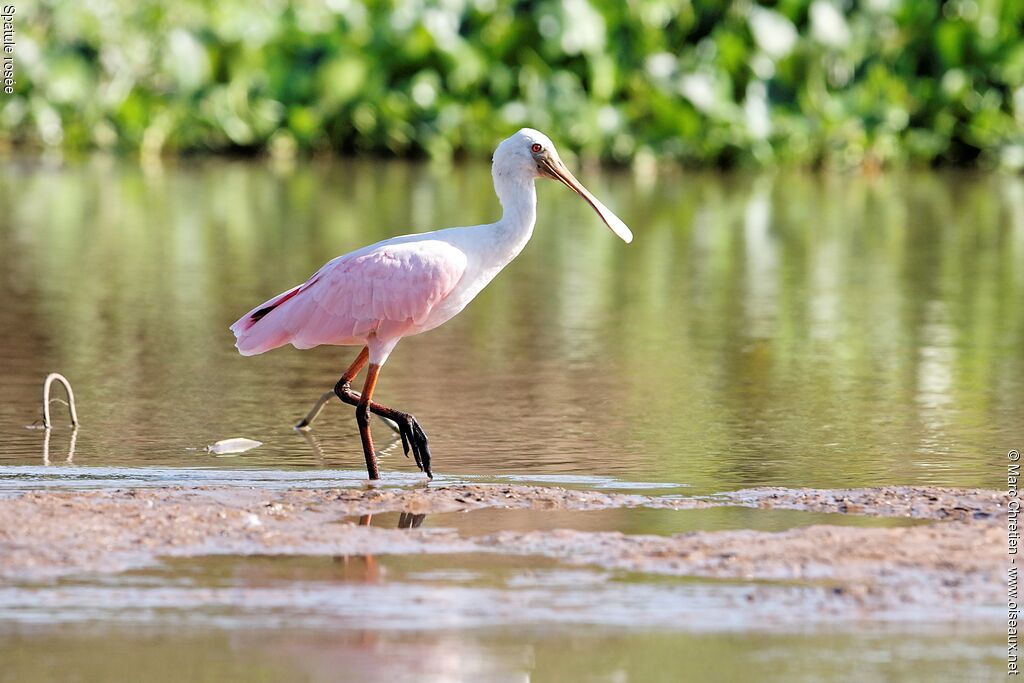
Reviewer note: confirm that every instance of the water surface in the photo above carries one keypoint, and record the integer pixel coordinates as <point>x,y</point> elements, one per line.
<point>783,329</point>
<point>456,618</point>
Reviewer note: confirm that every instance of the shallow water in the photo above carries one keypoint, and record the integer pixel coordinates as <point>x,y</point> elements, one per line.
<point>424,592</point>
<point>789,330</point>
<point>449,618</point>
<point>638,520</point>
<point>780,330</point>
<point>587,654</point>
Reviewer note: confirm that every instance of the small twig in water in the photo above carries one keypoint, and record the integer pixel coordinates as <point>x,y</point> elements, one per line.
<point>71,446</point>
<point>70,403</point>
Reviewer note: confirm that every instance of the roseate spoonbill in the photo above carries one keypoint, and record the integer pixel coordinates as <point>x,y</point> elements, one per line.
<point>375,296</point>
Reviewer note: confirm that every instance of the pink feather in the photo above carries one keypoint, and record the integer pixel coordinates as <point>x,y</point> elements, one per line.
<point>373,296</point>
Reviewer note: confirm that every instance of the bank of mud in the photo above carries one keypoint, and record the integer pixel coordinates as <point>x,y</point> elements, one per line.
<point>952,565</point>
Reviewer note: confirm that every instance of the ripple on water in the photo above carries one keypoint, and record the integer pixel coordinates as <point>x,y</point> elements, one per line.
<point>32,477</point>
<point>426,592</point>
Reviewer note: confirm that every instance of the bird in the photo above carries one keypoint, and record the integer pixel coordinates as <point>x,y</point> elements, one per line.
<point>375,296</point>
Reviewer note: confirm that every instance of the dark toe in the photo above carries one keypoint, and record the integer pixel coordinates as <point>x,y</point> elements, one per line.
<point>420,438</point>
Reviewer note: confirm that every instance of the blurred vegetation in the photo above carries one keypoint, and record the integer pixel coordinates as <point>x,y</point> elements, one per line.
<point>877,82</point>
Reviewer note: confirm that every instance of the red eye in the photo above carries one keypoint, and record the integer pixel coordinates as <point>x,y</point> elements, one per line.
<point>536,148</point>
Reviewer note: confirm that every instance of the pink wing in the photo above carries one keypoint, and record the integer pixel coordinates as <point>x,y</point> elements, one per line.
<point>384,291</point>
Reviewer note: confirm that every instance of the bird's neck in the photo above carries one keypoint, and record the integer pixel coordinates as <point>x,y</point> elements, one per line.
<point>518,198</point>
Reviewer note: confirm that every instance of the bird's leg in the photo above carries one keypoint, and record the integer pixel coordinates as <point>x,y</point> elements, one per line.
<point>363,420</point>
<point>413,436</point>
<point>306,422</point>
<point>342,387</point>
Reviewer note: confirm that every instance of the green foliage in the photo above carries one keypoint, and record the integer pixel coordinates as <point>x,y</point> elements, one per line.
<point>804,82</point>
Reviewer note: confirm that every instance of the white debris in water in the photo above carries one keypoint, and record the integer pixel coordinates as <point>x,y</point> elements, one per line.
<point>253,520</point>
<point>237,445</point>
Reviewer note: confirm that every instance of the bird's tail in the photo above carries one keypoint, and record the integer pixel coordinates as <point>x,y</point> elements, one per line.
<point>253,335</point>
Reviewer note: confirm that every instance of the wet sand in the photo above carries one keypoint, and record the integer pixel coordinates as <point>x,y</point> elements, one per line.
<point>951,566</point>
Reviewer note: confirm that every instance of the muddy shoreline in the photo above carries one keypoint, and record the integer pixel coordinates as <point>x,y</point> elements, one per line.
<point>953,565</point>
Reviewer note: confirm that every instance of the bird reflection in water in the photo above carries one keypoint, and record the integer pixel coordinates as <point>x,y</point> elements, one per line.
<point>364,568</point>
<point>318,449</point>
<point>406,520</point>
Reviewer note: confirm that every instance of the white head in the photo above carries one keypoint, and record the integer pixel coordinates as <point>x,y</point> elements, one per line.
<point>530,154</point>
